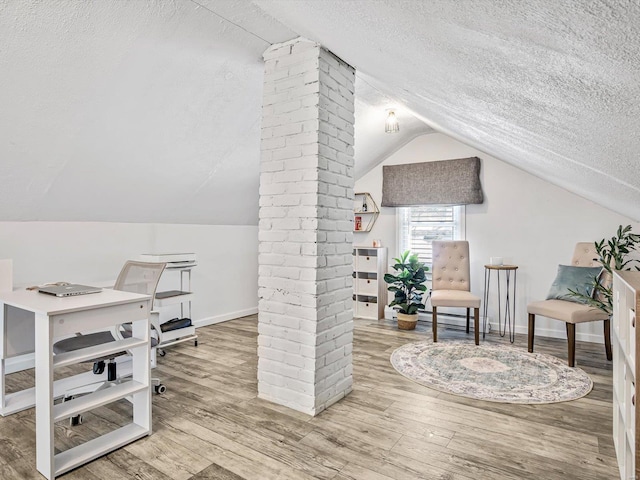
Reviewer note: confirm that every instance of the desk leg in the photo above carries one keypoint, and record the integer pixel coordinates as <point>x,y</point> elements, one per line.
<point>2,368</point>
<point>3,334</point>
<point>44,396</point>
<point>141,372</point>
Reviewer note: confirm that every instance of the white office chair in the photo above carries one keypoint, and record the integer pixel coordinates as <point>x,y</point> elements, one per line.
<point>135,277</point>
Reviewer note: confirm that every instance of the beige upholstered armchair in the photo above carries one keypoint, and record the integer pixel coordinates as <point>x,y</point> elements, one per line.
<point>451,283</point>
<point>585,255</point>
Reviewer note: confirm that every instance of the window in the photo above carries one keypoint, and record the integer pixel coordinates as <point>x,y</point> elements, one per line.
<point>419,226</point>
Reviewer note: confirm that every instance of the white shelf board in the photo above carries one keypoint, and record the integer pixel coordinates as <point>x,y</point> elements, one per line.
<point>74,457</point>
<point>25,399</point>
<point>622,413</point>
<point>96,399</point>
<point>178,266</point>
<point>630,437</point>
<point>18,401</point>
<point>98,351</point>
<point>181,336</point>
<point>175,300</point>
<point>626,356</point>
<point>168,257</point>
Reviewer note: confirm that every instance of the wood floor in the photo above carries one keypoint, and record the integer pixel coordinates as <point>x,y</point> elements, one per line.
<point>210,425</point>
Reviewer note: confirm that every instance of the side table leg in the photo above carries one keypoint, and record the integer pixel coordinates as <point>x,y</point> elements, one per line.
<point>515,279</point>
<point>500,331</point>
<point>508,318</point>
<point>485,301</point>
<point>3,333</point>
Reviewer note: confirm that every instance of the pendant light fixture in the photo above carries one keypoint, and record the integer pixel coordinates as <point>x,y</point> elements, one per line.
<point>391,125</point>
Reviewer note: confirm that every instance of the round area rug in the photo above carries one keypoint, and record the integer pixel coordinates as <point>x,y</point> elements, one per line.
<point>492,373</point>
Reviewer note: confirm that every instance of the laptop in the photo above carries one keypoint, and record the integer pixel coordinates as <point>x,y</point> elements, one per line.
<point>69,290</point>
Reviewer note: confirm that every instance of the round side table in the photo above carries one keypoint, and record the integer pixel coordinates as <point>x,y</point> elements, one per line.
<point>510,299</point>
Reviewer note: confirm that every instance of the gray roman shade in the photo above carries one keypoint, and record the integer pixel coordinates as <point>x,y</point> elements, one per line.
<point>446,182</point>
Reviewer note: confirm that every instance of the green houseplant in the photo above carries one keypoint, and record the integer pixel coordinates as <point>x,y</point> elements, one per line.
<point>408,287</point>
<point>613,254</point>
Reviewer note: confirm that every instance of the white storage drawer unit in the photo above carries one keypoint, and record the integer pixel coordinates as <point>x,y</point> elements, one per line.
<point>369,288</point>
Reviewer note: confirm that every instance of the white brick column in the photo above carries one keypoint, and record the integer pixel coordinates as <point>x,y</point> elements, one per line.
<point>306,214</point>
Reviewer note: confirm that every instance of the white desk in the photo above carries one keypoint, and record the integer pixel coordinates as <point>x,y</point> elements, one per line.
<point>54,317</point>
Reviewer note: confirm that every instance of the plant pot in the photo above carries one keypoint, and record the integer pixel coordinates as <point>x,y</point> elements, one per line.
<point>407,322</point>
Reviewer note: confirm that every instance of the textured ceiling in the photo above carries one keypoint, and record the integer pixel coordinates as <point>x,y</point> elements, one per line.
<point>550,86</point>
<point>149,111</point>
<point>372,145</point>
<point>131,111</point>
<point>144,111</point>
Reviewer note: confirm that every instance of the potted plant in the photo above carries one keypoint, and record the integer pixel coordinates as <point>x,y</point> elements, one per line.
<point>408,286</point>
<point>613,255</point>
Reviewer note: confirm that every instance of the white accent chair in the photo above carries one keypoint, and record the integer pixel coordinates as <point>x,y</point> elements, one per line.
<point>451,285</point>
<point>584,255</point>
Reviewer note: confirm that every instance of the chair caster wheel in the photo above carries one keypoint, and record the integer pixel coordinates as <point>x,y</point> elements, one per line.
<point>160,389</point>
<point>76,420</point>
<point>98,367</point>
<point>161,352</point>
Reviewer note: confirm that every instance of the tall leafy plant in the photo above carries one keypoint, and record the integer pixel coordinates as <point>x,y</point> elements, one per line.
<point>407,283</point>
<point>613,254</point>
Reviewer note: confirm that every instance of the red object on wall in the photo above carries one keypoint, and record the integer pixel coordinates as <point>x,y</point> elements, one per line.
<point>357,224</point>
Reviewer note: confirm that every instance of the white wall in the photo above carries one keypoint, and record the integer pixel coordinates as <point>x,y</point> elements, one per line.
<point>225,280</point>
<point>524,219</point>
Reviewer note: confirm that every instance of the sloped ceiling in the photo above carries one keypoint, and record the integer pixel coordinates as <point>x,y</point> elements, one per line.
<point>143,111</point>
<point>149,111</point>
<point>549,86</point>
<point>131,111</point>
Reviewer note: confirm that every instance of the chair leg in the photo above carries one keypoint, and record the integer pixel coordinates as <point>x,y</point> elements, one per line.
<point>571,338</point>
<point>532,330</point>
<point>607,339</point>
<point>467,320</point>
<point>435,323</point>
<point>476,324</point>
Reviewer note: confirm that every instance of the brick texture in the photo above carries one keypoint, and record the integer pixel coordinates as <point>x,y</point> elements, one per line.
<point>305,331</point>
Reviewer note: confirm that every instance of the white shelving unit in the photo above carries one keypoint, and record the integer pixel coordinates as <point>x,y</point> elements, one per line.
<point>55,318</point>
<point>369,288</point>
<point>626,301</point>
<point>177,264</point>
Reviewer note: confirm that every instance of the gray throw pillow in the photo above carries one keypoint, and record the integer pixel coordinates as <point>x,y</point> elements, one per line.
<point>578,279</point>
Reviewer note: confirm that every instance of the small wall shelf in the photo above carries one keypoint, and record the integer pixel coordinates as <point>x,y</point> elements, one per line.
<point>365,212</point>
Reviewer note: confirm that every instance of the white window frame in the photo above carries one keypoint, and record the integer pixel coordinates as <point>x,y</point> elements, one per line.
<point>459,227</point>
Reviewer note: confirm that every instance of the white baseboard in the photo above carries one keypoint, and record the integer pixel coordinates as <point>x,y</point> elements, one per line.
<point>458,321</point>
<point>557,333</point>
<point>203,322</point>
